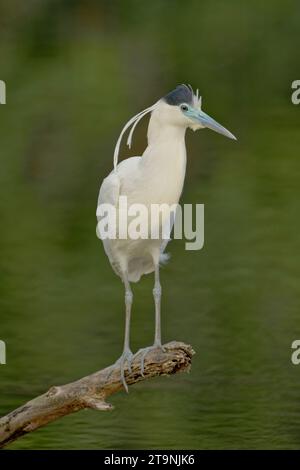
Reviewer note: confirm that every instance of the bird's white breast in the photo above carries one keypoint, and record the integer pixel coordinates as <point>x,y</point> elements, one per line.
<point>158,177</point>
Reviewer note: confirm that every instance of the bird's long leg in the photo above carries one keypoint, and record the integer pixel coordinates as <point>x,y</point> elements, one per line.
<point>128,304</point>
<point>157,302</point>
<point>127,354</point>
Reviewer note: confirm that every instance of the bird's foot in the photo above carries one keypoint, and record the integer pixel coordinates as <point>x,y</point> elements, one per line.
<point>126,357</point>
<point>145,351</point>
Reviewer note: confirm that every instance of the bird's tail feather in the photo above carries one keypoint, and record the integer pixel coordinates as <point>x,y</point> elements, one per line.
<point>164,258</point>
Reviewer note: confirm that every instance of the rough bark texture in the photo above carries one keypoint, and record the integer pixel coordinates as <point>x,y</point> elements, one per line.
<point>91,391</point>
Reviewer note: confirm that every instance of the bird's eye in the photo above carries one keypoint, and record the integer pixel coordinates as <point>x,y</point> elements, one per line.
<point>184,107</point>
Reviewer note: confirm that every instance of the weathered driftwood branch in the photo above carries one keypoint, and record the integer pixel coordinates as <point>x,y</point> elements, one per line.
<point>91,391</point>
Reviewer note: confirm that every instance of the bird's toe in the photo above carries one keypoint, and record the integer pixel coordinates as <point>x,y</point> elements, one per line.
<point>145,351</point>
<point>125,358</point>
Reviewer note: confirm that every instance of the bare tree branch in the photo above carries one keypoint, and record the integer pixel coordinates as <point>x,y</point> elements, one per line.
<point>91,391</point>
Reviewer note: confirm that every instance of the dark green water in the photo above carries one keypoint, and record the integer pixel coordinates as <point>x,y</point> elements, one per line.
<point>75,72</point>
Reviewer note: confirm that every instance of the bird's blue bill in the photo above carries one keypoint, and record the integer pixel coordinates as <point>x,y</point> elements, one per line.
<point>206,121</point>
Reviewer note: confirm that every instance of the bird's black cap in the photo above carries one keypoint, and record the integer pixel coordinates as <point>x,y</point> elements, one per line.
<point>181,94</point>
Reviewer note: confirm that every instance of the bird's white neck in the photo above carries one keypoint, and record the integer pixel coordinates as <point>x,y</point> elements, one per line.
<point>166,142</point>
<point>164,160</point>
<point>160,132</point>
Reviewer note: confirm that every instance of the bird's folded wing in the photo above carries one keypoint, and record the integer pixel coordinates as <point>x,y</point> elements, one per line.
<point>110,190</point>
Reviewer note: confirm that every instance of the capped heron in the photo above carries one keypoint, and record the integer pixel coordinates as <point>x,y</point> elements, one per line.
<point>156,177</point>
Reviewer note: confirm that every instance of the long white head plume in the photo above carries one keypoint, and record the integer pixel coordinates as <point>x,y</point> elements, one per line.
<point>197,100</point>
<point>133,121</point>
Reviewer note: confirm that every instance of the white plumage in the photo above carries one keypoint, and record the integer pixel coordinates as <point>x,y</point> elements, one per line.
<point>157,177</point>
<point>145,180</point>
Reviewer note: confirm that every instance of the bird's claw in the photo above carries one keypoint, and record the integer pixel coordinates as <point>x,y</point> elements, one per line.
<point>127,356</point>
<point>145,351</point>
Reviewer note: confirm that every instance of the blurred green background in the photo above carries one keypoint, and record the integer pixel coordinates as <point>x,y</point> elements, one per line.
<point>76,71</point>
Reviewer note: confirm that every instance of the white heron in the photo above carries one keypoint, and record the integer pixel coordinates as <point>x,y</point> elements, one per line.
<point>156,177</point>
